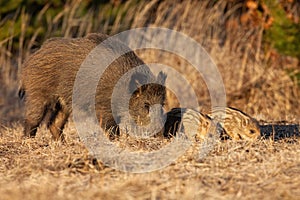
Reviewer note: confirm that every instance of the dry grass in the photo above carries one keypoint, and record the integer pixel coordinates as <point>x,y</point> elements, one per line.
<point>41,169</point>
<point>255,83</point>
<point>250,74</point>
<point>255,80</point>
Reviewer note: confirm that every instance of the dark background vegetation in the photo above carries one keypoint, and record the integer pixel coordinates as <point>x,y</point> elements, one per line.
<point>256,35</point>
<point>255,44</point>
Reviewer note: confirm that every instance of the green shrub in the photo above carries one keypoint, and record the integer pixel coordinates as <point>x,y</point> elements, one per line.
<point>52,18</point>
<point>283,35</point>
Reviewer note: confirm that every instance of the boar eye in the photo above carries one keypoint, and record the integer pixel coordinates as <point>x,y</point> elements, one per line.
<point>147,106</point>
<point>252,131</point>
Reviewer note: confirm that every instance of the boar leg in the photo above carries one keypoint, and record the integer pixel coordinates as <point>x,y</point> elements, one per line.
<point>57,122</point>
<point>34,114</point>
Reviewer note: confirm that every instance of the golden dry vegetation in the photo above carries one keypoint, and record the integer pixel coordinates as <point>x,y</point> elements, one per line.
<point>41,169</point>
<point>256,80</point>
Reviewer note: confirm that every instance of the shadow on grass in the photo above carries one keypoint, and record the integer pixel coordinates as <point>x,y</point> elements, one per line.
<point>279,131</point>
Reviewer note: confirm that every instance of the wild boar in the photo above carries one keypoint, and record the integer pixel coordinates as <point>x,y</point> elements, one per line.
<point>48,76</point>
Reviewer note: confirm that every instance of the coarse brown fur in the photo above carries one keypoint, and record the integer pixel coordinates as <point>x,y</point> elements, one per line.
<point>193,123</point>
<point>48,78</point>
<point>237,124</point>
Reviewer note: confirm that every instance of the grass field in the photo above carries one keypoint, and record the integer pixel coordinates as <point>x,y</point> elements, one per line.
<point>41,169</point>
<point>258,80</point>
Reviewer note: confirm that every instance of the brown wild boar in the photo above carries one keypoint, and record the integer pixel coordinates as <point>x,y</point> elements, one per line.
<point>48,78</point>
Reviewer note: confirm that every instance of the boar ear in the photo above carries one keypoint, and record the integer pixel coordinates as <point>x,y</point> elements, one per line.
<point>136,81</point>
<point>161,78</point>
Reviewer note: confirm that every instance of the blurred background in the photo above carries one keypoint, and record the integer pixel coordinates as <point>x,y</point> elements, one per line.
<point>255,45</point>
